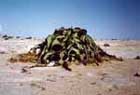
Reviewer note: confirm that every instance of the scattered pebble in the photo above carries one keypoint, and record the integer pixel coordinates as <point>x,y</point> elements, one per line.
<point>23,70</point>
<point>2,52</point>
<point>21,84</point>
<point>137,75</point>
<point>106,45</point>
<point>6,37</point>
<point>137,57</point>
<point>93,83</point>
<point>109,89</point>
<point>28,38</point>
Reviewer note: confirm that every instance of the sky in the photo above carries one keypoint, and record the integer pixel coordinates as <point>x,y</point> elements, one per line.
<point>103,19</point>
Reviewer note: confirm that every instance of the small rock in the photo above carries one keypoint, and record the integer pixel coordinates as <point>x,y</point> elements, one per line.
<point>106,45</point>
<point>6,37</point>
<point>17,37</point>
<point>109,89</point>
<point>93,83</point>
<point>137,57</point>
<point>21,84</point>
<point>114,39</point>
<point>137,75</point>
<point>28,38</point>
<point>24,70</point>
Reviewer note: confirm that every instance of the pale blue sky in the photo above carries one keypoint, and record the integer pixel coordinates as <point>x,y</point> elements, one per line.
<point>104,19</point>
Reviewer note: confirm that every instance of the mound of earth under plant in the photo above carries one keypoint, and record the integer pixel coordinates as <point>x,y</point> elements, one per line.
<point>64,47</point>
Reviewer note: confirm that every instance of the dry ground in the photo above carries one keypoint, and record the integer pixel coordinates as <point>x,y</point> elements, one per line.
<point>110,78</point>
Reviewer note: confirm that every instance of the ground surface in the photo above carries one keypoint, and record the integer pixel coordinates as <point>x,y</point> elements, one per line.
<point>110,78</point>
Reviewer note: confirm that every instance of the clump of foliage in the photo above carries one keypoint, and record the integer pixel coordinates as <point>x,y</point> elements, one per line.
<point>66,46</point>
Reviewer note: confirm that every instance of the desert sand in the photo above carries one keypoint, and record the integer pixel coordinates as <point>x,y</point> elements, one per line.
<point>109,78</point>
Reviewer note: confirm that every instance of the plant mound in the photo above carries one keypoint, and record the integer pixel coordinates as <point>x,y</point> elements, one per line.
<point>64,47</point>
<point>69,45</point>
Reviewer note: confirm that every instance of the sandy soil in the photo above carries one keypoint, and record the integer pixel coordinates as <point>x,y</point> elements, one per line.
<point>110,78</point>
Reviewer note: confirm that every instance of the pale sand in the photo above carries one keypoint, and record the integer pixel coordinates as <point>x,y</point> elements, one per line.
<point>110,78</point>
